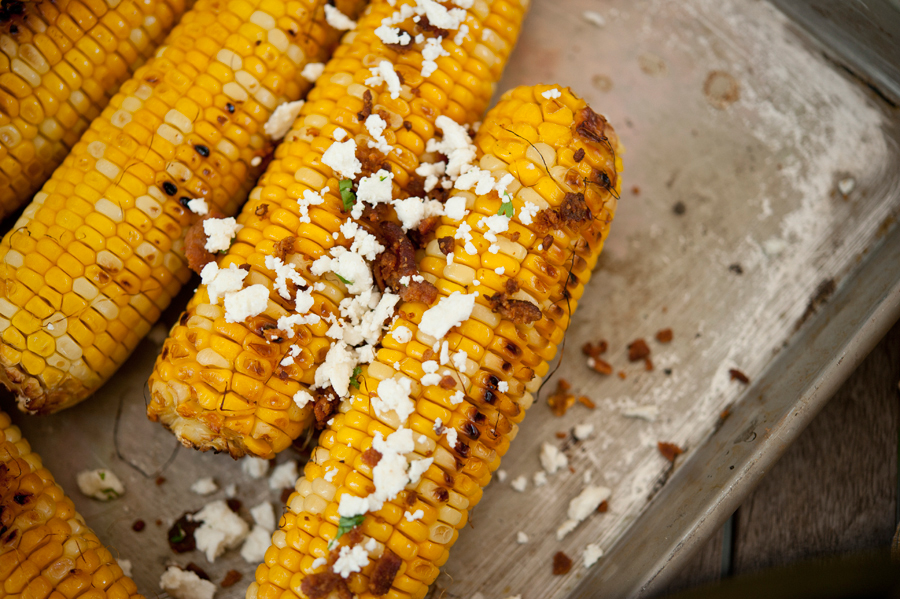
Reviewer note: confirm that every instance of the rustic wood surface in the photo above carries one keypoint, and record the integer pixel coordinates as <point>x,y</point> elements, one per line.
<point>833,492</point>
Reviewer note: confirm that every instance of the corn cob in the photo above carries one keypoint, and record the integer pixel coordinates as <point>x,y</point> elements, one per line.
<point>60,63</point>
<point>563,158</point>
<point>46,549</point>
<point>100,251</point>
<point>217,385</point>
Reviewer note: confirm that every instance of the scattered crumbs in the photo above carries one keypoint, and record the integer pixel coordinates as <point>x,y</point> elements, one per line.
<point>670,451</point>
<point>774,246</point>
<point>138,525</point>
<point>737,375</point>
<point>667,371</point>
<point>232,577</point>
<point>736,268</point>
<point>501,475</point>
<point>591,554</point>
<point>125,564</point>
<point>192,567</point>
<point>255,161</point>
<point>603,507</point>
<point>561,400</point>
<point>623,375</point>
<point>648,364</point>
<point>638,350</point>
<point>521,538</point>
<point>636,190</point>
<point>183,584</point>
<point>664,336</point>
<point>562,563</point>
<point>679,208</point>
<point>181,534</point>
<point>649,413</point>
<point>594,18</point>
<point>204,486</point>
<point>723,416</point>
<point>593,351</point>
<point>519,483</point>
<point>846,186</point>
<point>584,400</point>
<point>561,434</point>
<point>583,431</point>
<point>600,366</point>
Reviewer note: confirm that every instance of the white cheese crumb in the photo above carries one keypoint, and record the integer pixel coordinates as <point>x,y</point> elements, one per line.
<point>100,484</point>
<point>500,270</point>
<point>231,490</point>
<point>284,476</point>
<point>302,398</point>
<point>450,311</point>
<point>394,395</point>
<point>581,507</point>
<point>376,126</point>
<point>521,538</point>
<point>338,20</point>
<point>501,475</point>
<point>552,94</point>
<point>430,53</point>
<point>519,483</point>
<point>283,274</point>
<point>204,486</point>
<point>416,515</point>
<point>412,211</point>
<point>452,436</point>
<point>243,304</point>
<point>432,173</point>
<point>527,212</point>
<point>318,563</point>
<point>350,560</point>
<point>254,467</point>
<point>460,36</point>
<point>339,134</point>
<point>456,145</point>
<point>183,584</point>
<point>539,479</point>
<point>341,158</point>
<point>198,206</point>
<point>219,233</point>
<point>264,515</point>
<point>255,545</point>
<point>282,119</point>
<point>330,474</point>
<point>583,431</point>
<point>340,361</point>
<point>846,185</point>
<point>393,35</point>
<point>384,73</point>
<point>312,71</point>
<point>503,386</point>
<point>125,564</point>
<point>587,477</point>
<point>455,208</point>
<point>552,459</point>
<point>591,554</point>
<point>648,413</point>
<point>402,334</point>
<point>221,529</point>
<point>256,161</point>
<point>457,398</point>
<point>594,18</point>
<point>222,281</point>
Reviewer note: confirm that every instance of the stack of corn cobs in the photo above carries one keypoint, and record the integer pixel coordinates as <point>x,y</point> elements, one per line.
<point>398,278</point>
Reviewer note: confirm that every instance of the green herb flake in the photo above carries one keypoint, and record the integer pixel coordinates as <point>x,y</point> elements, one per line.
<point>346,524</point>
<point>179,536</point>
<point>102,475</point>
<point>507,209</point>
<point>354,380</point>
<point>343,280</point>
<point>347,195</point>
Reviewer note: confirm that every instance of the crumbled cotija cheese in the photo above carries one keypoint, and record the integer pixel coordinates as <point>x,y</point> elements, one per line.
<point>198,206</point>
<point>341,157</point>
<point>100,484</point>
<point>219,233</point>
<point>241,305</point>
<point>581,507</point>
<point>312,71</point>
<point>449,312</point>
<point>519,483</point>
<point>350,560</point>
<point>254,467</point>
<point>552,459</point>
<point>284,476</point>
<point>583,431</point>
<point>221,529</point>
<point>183,584</point>
<point>282,119</point>
<point>552,94</point>
<point>394,395</point>
<point>384,72</point>
<point>221,281</point>
<point>204,486</point>
<point>337,19</point>
<point>591,554</point>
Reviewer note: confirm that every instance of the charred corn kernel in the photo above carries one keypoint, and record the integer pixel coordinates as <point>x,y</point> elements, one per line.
<point>117,205</point>
<point>52,551</point>
<point>274,213</point>
<point>44,105</point>
<point>515,351</point>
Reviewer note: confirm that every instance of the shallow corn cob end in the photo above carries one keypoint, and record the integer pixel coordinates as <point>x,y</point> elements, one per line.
<point>499,351</point>
<point>46,549</point>
<point>209,386</point>
<point>60,63</point>
<point>99,253</point>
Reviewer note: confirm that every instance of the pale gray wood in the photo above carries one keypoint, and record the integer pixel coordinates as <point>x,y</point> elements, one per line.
<point>704,568</point>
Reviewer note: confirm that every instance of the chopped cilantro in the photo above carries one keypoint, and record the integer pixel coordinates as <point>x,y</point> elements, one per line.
<point>354,380</point>
<point>347,195</point>
<point>102,475</point>
<point>347,524</point>
<point>110,493</point>
<point>506,209</point>
<point>179,536</point>
<point>343,280</point>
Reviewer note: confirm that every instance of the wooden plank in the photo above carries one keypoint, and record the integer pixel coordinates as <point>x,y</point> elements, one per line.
<point>834,491</point>
<point>704,568</point>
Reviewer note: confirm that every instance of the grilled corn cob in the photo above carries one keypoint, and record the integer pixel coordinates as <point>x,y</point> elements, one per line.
<point>219,385</point>
<point>46,549</point>
<point>100,251</point>
<point>60,63</point>
<point>563,160</point>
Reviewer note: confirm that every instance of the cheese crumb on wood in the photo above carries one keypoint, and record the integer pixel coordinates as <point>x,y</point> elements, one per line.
<point>254,467</point>
<point>591,554</point>
<point>552,459</point>
<point>284,476</point>
<point>221,529</point>
<point>183,584</point>
<point>581,507</point>
<point>204,486</point>
<point>519,483</point>
<point>583,431</point>
<point>100,484</point>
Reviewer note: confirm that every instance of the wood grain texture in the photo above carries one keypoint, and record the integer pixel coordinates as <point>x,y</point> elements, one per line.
<point>704,568</point>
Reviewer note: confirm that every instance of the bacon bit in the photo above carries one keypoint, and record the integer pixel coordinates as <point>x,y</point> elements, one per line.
<point>160,480</point>
<point>138,525</point>
<point>603,507</point>
<point>261,210</point>
<point>547,242</point>
<point>195,244</point>
<point>326,404</point>
<point>664,336</point>
<point>448,382</point>
<point>192,567</point>
<point>737,375</point>
<point>579,155</point>
<point>670,451</point>
<point>636,190</point>
<point>561,400</point>
<point>638,350</point>
<point>562,563</point>
<point>648,364</point>
<point>383,574</point>
<point>371,457</point>
<point>397,261</point>
<point>181,534</point>
<point>285,495</point>
<point>518,311</point>
<point>232,577</point>
<point>363,114</point>
<point>584,400</point>
<point>318,586</point>
<point>601,366</point>
<point>371,160</point>
<point>573,211</point>
<point>623,375</point>
<point>446,244</point>
<point>428,354</point>
<point>426,26</point>
<point>593,351</point>
<point>724,415</point>
<point>407,125</point>
<point>235,504</point>
<point>284,247</point>
<point>561,434</point>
